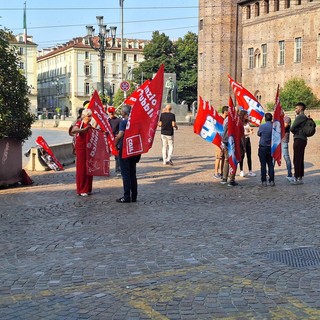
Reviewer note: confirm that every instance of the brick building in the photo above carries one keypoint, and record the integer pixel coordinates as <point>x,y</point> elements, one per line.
<point>260,43</point>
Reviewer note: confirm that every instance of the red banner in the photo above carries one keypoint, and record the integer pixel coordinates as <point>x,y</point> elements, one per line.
<point>277,130</point>
<point>99,114</point>
<point>235,134</point>
<point>48,156</point>
<point>98,153</point>
<point>131,100</point>
<point>208,123</point>
<point>143,120</point>
<point>248,102</point>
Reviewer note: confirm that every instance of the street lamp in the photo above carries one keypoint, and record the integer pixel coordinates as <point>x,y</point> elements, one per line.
<point>102,45</point>
<point>59,86</point>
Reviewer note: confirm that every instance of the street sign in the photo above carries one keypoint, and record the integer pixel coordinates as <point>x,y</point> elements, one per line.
<point>124,85</point>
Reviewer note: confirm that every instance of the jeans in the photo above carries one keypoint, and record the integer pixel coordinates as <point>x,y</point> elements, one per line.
<point>248,152</point>
<point>167,148</point>
<point>286,156</point>
<point>264,154</point>
<point>128,168</point>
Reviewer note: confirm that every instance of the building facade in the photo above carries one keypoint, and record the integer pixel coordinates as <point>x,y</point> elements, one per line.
<point>27,52</point>
<point>259,43</point>
<point>69,73</point>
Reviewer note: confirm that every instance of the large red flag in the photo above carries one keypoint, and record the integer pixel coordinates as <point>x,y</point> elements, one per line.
<point>131,100</point>
<point>235,134</point>
<point>277,130</point>
<point>248,102</point>
<point>208,123</point>
<point>99,114</point>
<point>98,153</point>
<point>143,119</point>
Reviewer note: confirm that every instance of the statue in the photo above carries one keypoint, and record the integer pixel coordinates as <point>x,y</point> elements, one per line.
<point>170,91</point>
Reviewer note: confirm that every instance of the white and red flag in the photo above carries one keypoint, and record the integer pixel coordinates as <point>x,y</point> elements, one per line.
<point>248,102</point>
<point>98,153</point>
<point>208,123</point>
<point>100,116</point>
<point>131,100</point>
<point>143,119</point>
<point>277,130</point>
<point>235,134</point>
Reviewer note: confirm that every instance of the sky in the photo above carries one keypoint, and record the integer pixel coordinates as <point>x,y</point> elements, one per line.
<point>56,22</point>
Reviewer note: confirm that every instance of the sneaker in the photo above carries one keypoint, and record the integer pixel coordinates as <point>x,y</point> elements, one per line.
<point>83,194</point>
<point>296,181</point>
<point>271,183</point>
<point>242,174</point>
<point>264,183</point>
<point>290,178</point>
<point>170,163</point>
<point>232,184</point>
<point>223,181</point>
<point>251,174</point>
<point>123,200</point>
<point>217,176</point>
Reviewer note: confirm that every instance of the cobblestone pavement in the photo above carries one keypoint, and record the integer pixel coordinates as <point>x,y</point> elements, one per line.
<point>190,248</point>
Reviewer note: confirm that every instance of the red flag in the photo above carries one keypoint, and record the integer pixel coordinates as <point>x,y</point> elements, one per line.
<point>235,134</point>
<point>248,102</point>
<point>48,157</point>
<point>98,153</point>
<point>208,123</point>
<point>131,100</point>
<point>143,120</point>
<point>277,130</point>
<point>99,114</point>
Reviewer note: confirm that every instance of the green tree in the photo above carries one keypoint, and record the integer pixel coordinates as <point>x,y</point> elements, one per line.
<point>296,90</point>
<point>160,50</point>
<point>15,117</point>
<point>187,70</point>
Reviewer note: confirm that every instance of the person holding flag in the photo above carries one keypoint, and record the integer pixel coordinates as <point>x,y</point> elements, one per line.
<point>264,151</point>
<point>128,165</point>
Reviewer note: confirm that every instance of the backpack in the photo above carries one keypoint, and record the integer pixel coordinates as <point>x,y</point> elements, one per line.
<point>309,127</point>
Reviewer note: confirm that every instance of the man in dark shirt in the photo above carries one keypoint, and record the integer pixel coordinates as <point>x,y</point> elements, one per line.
<point>167,123</point>
<point>264,152</point>
<point>114,123</point>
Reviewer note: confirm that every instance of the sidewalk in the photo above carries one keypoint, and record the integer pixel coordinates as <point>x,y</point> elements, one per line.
<point>190,248</point>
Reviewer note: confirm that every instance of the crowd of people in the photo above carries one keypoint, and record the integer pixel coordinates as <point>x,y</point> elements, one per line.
<point>126,167</point>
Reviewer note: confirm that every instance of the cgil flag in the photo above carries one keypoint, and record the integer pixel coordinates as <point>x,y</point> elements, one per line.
<point>247,102</point>
<point>277,130</point>
<point>235,134</point>
<point>208,123</point>
<point>131,100</point>
<point>143,119</point>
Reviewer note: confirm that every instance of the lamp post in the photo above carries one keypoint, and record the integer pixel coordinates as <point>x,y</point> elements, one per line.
<point>59,86</point>
<point>102,44</point>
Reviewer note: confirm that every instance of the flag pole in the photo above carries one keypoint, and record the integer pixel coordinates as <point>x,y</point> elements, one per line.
<point>121,5</point>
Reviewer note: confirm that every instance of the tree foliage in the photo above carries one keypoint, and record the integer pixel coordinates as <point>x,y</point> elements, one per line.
<point>15,117</point>
<point>296,90</point>
<point>178,57</point>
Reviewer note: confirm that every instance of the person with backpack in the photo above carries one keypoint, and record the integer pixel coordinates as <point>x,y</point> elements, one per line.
<point>299,143</point>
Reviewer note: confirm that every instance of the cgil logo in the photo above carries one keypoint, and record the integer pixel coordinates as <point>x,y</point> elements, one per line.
<point>134,145</point>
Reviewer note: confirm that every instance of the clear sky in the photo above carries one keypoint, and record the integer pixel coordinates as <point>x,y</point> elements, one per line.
<point>54,22</point>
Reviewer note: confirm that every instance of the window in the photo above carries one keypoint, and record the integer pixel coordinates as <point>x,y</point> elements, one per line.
<point>276,5</point>
<point>135,58</point>
<point>87,55</point>
<point>125,57</point>
<point>257,9</point>
<point>297,49</point>
<point>257,58</point>
<point>201,24</point>
<point>298,2</point>
<point>264,55</point>
<point>248,12</point>
<point>266,6</point>
<point>287,4</point>
<point>21,65</point>
<point>114,57</point>
<point>251,58</point>
<point>87,88</point>
<point>281,52</point>
<point>20,51</point>
<point>87,70</point>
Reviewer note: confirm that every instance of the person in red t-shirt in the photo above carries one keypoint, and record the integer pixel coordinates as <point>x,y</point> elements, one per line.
<point>83,181</point>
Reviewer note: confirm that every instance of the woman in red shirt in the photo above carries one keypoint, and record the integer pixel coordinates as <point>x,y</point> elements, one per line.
<point>83,181</point>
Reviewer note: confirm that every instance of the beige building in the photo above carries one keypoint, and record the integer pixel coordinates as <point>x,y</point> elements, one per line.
<point>27,52</point>
<point>69,73</point>
<point>260,43</point>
